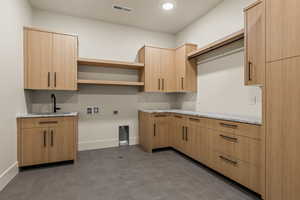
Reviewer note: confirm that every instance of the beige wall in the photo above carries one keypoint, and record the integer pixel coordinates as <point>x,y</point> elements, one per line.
<point>220,81</point>
<point>13,15</point>
<point>108,41</point>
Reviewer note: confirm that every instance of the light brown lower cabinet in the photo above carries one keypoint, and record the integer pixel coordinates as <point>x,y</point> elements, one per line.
<point>160,131</point>
<point>46,140</point>
<point>233,149</point>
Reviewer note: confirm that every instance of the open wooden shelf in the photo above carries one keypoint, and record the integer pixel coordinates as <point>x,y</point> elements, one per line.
<point>110,63</point>
<point>217,44</point>
<point>103,82</point>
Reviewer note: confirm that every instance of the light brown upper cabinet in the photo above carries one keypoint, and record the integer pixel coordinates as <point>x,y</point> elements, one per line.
<point>50,60</point>
<point>186,70</point>
<point>168,70</point>
<point>283,29</point>
<point>255,44</point>
<point>159,73</point>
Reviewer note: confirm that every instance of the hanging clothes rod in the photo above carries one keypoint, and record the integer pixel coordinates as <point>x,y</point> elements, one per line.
<point>220,56</point>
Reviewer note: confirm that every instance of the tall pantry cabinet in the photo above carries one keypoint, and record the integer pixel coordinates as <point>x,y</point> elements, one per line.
<point>282,99</point>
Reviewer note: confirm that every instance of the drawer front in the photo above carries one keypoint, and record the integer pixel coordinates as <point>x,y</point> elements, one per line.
<point>242,148</point>
<point>247,130</point>
<point>239,171</point>
<point>42,122</point>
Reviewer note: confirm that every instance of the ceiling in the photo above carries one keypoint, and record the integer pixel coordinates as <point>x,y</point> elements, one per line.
<point>146,14</point>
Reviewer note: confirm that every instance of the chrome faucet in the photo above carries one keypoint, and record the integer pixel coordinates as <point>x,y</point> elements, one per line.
<point>55,108</point>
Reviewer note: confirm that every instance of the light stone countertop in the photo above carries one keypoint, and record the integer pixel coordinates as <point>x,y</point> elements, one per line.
<point>41,115</point>
<point>227,117</point>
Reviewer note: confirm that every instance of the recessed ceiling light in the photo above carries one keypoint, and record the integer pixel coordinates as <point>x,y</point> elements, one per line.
<point>168,5</point>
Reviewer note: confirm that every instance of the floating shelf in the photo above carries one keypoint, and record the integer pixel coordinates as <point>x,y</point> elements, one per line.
<point>110,63</point>
<point>217,44</point>
<point>102,82</point>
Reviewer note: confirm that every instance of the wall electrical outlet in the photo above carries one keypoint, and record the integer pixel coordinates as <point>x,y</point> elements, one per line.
<point>96,110</point>
<point>89,110</point>
<point>253,100</point>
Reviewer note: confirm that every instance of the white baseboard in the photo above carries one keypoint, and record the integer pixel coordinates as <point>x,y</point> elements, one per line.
<point>8,175</point>
<point>102,144</point>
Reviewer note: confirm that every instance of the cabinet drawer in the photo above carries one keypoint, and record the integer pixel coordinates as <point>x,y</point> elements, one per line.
<point>242,148</point>
<point>252,131</point>
<point>239,171</point>
<point>42,122</point>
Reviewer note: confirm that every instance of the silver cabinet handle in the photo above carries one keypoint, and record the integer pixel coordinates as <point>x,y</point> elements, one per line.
<point>229,125</point>
<point>228,160</point>
<point>183,133</point>
<point>154,131</point>
<point>229,138</point>
<point>45,136</point>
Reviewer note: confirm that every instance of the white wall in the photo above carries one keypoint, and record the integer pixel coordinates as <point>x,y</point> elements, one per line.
<point>220,82</point>
<point>14,14</point>
<point>108,41</point>
<point>103,40</point>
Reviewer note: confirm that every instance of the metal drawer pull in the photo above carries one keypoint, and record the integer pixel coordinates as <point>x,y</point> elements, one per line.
<point>52,142</point>
<point>49,122</point>
<point>229,125</point>
<point>183,133</point>
<point>228,160</point>
<point>154,132</point>
<point>194,119</point>
<point>160,116</point>
<point>45,135</point>
<point>229,138</point>
<point>178,116</point>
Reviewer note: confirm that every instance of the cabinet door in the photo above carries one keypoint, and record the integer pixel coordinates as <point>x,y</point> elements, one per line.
<point>153,70</point>
<point>38,59</point>
<point>179,133</point>
<point>283,29</point>
<point>255,45</point>
<point>146,131</point>
<point>180,54</point>
<point>34,146</point>
<point>161,134</point>
<point>283,138</point>
<point>64,62</point>
<point>204,143</point>
<point>168,70</point>
<point>62,142</point>
<point>192,130</point>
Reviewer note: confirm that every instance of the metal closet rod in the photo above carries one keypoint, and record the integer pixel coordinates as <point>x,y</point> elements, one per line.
<point>220,56</point>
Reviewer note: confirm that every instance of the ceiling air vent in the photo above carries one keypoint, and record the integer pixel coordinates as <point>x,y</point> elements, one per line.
<point>122,8</point>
